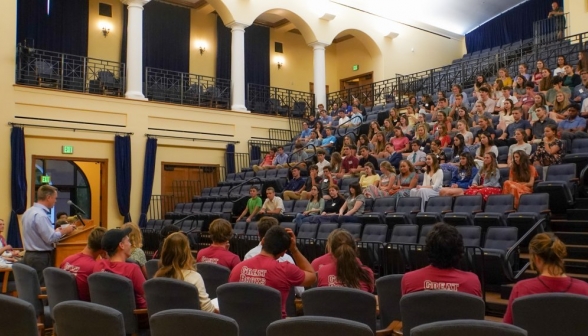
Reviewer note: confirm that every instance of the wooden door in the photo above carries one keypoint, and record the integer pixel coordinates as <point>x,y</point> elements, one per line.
<point>184,181</point>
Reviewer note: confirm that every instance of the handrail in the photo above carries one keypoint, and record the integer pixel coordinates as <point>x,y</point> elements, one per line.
<point>516,245</point>
<point>242,184</point>
<point>301,149</point>
<point>354,129</point>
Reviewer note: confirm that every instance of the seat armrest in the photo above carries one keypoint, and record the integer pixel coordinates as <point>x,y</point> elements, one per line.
<point>395,328</point>
<point>509,211</point>
<point>142,311</point>
<point>476,211</point>
<point>545,212</point>
<point>446,212</point>
<point>575,179</point>
<point>42,297</point>
<point>414,212</point>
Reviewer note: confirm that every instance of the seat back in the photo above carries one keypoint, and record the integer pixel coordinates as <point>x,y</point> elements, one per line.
<point>468,204</point>
<point>166,293</point>
<point>472,235</point>
<point>307,231</point>
<point>408,204</point>
<point>300,206</point>
<point>502,155</point>
<point>499,203</point>
<point>152,266</point>
<point>341,302</point>
<point>579,146</point>
<point>534,203</point>
<point>207,207</point>
<point>27,285</point>
<point>431,306</point>
<point>353,228</point>
<point>325,230</point>
<point>214,276</point>
<point>424,232</point>
<point>318,325</point>
<point>536,313</point>
<point>241,301</point>
<point>61,286</point>
<point>240,228</point>
<point>74,318</point>
<point>25,324</point>
<point>439,204</point>
<point>288,205</point>
<point>252,229</point>
<point>389,294</point>
<point>115,291</point>
<point>467,328</point>
<point>501,237</point>
<point>384,204</point>
<point>561,172</point>
<point>404,234</point>
<point>288,225</point>
<point>192,322</point>
<point>217,206</point>
<point>374,233</point>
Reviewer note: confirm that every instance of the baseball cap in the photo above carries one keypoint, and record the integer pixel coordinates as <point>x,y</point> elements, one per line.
<point>112,238</point>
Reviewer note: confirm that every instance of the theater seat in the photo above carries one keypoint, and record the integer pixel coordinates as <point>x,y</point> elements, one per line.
<point>561,184</point>
<point>435,209</point>
<point>464,210</point>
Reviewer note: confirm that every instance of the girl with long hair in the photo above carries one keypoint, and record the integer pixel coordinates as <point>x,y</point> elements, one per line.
<point>379,144</point>
<point>438,152</point>
<point>487,180</point>
<point>347,141</point>
<point>547,254</point>
<point>400,141</point>
<point>314,207</point>
<point>364,141</point>
<point>374,128</point>
<point>521,178</point>
<point>318,127</point>
<point>464,130</point>
<point>521,144</point>
<point>462,177</point>
<point>394,117</point>
<point>497,89</point>
<point>539,101</point>
<point>411,114</point>
<point>561,63</point>
<point>480,81</point>
<point>519,86</point>
<point>545,83</point>
<point>550,149</point>
<point>463,115</point>
<point>504,76</point>
<point>432,181</point>
<point>383,187</point>
<point>459,148</point>
<point>486,146</point>
<point>336,163</point>
<point>443,136</point>
<point>344,268</point>
<point>176,262</point>
<point>354,204</point>
<point>333,205</point>
<point>421,136</point>
<point>582,62</point>
<point>537,74</point>
<point>560,107</point>
<point>370,178</point>
<point>136,239</point>
<point>405,126</point>
<point>506,117</point>
<point>412,101</point>
<point>479,111</point>
<point>388,129</point>
<point>406,180</point>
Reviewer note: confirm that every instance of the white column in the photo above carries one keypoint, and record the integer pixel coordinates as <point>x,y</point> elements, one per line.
<point>320,80</point>
<point>238,66</point>
<point>134,63</point>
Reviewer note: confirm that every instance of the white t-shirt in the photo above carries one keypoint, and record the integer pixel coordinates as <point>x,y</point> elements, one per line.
<point>585,105</point>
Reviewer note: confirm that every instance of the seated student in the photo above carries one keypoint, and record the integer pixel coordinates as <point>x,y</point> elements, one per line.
<point>444,247</point>
<point>438,152</point>
<point>350,162</point>
<point>443,136</point>
<point>334,204</point>
<point>458,148</point>
<point>486,146</point>
<point>325,119</point>
<point>487,180</point>
<point>297,158</point>
<point>61,215</point>
<point>220,231</point>
<point>315,206</point>
<point>558,87</point>
<point>417,156</point>
<point>462,177</point>
<point>399,140</point>
<point>273,205</point>
<point>550,150</point>
<point>521,144</point>
<point>341,266</point>
<point>280,159</point>
<point>329,141</point>
<point>343,119</point>
<point>136,239</point>
<point>547,255</point>
<point>295,186</point>
<point>432,181</point>
<point>365,158</point>
<point>117,244</point>
<point>540,124</point>
<point>321,161</point>
<point>485,125</point>
<point>508,137</point>
<point>527,100</point>
<point>253,204</point>
<point>521,178</point>
<point>165,232</point>
<point>263,268</point>
<point>370,178</point>
<point>268,160</point>
<point>384,187</point>
<point>574,127</point>
<point>303,193</point>
<point>82,264</point>
<point>177,262</point>
<point>354,204</point>
<point>305,134</point>
<point>479,111</point>
<point>571,79</point>
<point>406,180</point>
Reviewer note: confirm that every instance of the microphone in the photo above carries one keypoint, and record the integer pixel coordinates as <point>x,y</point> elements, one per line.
<point>75,206</point>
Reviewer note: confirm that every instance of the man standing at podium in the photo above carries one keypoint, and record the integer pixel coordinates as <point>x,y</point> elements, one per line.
<point>39,235</point>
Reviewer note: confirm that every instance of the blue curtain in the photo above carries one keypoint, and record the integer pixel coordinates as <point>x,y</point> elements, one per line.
<point>255,153</point>
<point>122,167</point>
<point>148,175</point>
<point>509,27</point>
<point>230,158</point>
<point>257,53</point>
<point>63,27</point>
<point>18,184</point>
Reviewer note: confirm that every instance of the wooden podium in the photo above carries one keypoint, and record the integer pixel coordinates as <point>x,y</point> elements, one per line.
<point>73,242</point>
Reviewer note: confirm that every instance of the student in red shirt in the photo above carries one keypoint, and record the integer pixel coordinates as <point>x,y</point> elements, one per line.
<point>117,244</point>
<point>221,232</point>
<point>547,255</point>
<point>444,247</point>
<point>82,264</point>
<point>263,269</point>
<point>344,270</point>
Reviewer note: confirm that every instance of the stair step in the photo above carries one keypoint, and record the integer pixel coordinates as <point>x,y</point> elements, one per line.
<point>569,225</point>
<point>505,291</point>
<point>577,214</point>
<point>495,305</point>
<point>573,238</point>
<point>581,203</point>
<point>575,266</point>
<point>577,251</point>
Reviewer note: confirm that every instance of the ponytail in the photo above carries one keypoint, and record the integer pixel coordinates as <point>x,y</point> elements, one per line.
<point>349,271</point>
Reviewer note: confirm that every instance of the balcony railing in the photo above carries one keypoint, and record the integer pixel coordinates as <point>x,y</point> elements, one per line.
<point>187,89</point>
<point>383,92</point>
<point>277,101</point>
<point>551,29</point>
<point>49,69</point>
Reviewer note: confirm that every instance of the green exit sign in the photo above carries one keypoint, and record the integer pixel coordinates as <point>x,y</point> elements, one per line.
<point>45,179</point>
<point>355,67</point>
<point>67,149</point>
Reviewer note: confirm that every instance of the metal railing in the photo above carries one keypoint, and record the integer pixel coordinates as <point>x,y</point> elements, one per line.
<point>280,137</point>
<point>552,29</point>
<point>160,205</point>
<point>278,101</point>
<point>49,69</point>
<point>240,161</point>
<point>263,146</point>
<point>382,92</point>
<point>187,89</point>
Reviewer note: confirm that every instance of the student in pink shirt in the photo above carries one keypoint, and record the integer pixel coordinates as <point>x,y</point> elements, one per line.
<point>220,231</point>
<point>399,141</point>
<point>444,247</point>
<point>264,269</point>
<point>118,246</point>
<point>82,264</point>
<point>344,268</point>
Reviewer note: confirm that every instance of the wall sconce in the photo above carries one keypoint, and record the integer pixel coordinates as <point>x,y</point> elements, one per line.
<point>279,61</point>
<point>105,27</point>
<point>201,46</point>
<point>105,31</point>
<point>280,65</point>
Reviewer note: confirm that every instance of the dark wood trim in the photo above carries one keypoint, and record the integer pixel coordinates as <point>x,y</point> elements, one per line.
<point>343,38</point>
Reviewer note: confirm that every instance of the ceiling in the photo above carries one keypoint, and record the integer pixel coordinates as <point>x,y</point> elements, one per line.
<point>446,17</point>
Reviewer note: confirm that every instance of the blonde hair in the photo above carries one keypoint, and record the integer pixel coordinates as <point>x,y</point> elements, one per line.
<point>135,237</point>
<point>551,250</point>
<point>175,257</point>
<point>388,166</point>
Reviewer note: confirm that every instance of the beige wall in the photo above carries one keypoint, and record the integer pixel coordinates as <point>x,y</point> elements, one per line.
<point>350,52</point>
<point>297,71</point>
<point>203,30</point>
<point>107,48</point>
<point>92,172</point>
<point>578,10</point>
